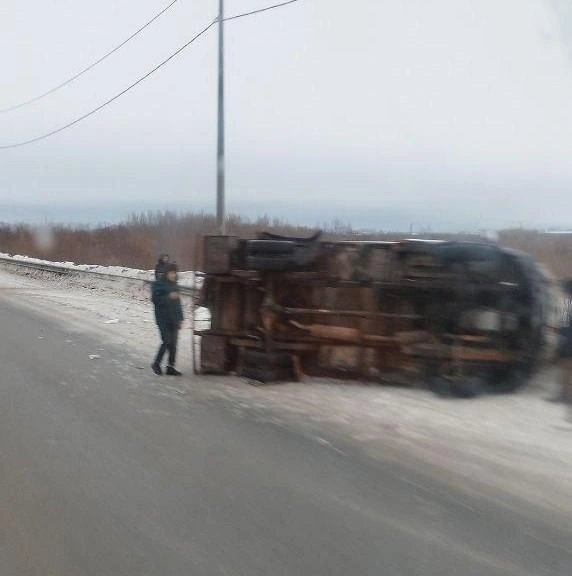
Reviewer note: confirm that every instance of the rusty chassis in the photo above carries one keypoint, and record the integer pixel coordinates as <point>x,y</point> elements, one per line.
<point>459,318</point>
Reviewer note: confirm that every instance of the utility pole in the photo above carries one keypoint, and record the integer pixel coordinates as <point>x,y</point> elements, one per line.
<point>220,191</point>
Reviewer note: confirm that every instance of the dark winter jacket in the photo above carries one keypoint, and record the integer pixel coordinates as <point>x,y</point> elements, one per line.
<point>565,344</point>
<point>160,269</point>
<point>167,310</point>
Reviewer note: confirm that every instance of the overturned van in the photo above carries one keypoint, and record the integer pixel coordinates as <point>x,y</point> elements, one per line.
<point>458,317</point>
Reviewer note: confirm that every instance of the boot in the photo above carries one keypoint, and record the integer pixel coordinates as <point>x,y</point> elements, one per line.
<point>172,371</point>
<point>157,369</point>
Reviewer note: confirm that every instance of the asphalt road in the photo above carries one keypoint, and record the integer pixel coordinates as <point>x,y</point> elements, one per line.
<point>108,471</point>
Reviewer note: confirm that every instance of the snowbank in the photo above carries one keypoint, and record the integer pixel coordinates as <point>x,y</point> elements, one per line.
<point>187,279</point>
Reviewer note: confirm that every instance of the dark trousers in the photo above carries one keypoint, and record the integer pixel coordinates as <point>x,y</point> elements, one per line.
<point>169,336</point>
<point>566,382</point>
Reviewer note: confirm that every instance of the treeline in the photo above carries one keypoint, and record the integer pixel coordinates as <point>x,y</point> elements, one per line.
<point>553,250</point>
<point>137,242</point>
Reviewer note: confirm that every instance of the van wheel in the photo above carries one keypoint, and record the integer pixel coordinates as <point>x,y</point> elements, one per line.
<point>469,387</point>
<point>270,247</point>
<point>507,381</point>
<point>440,386</point>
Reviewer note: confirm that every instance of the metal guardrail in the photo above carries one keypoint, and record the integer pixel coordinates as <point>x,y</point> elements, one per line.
<point>63,270</point>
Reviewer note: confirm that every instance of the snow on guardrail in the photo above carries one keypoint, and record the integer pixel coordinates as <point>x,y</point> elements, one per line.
<point>187,279</point>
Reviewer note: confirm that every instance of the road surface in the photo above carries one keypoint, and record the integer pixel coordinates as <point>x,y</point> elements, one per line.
<point>106,470</point>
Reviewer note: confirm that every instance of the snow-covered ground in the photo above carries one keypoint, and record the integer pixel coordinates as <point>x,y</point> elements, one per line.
<point>520,443</point>
<point>186,279</point>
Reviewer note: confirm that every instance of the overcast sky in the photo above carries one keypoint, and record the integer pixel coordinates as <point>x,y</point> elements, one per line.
<point>449,114</point>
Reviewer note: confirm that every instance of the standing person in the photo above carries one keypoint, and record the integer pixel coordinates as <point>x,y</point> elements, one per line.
<point>565,352</point>
<point>169,317</point>
<point>161,266</point>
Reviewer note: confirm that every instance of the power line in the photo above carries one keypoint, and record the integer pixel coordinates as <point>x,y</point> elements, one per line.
<point>253,12</point>
<point>137,82</point>
<point>107,102</point>
<point>93,65</point>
